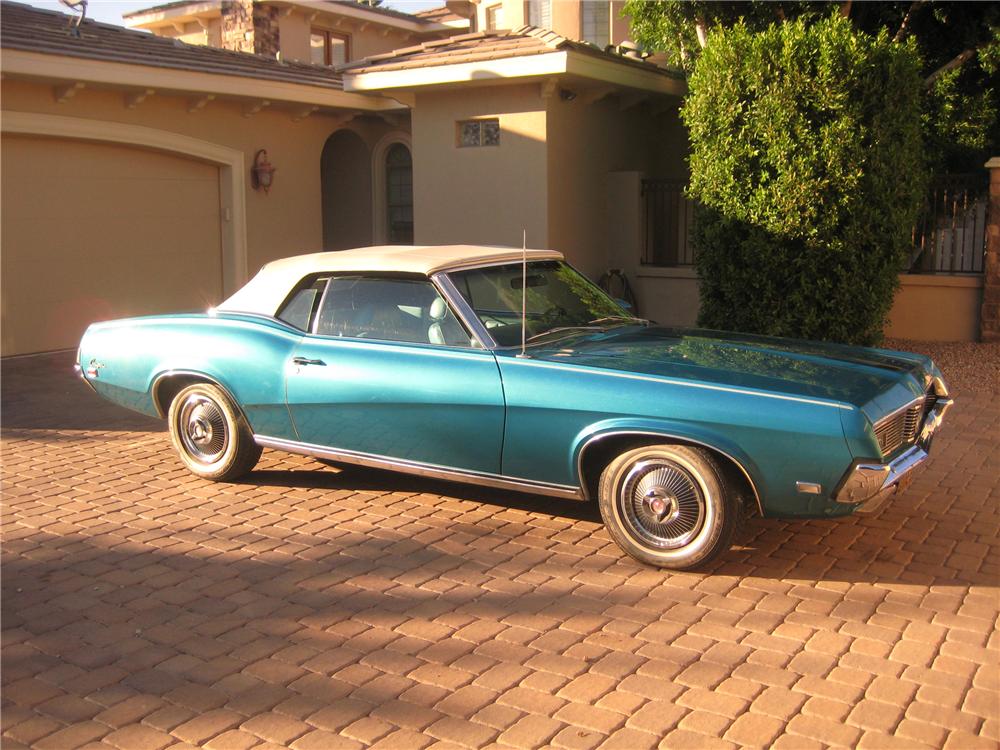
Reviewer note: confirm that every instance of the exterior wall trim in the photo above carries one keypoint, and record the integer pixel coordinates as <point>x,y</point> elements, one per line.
<point>231,163</point>
<point>973,281</point>
<point>532,66</point>
<point>62,67</point>
<point>667,272</point>
<point>528,66</point>
<point>379,207</point>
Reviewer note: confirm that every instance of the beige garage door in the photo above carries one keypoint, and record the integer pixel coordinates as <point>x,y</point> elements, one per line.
<point>98,231</point>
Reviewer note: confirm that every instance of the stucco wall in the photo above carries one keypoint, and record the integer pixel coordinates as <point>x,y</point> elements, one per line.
<point>566,17</point>
<point>668,295</point>
<point>926,308</point>
<point>483,195</point>
<point>587,141</point>
<point>936,308</point>
<point>514,13</point>
<point>295,30</point>
<point>286,221</point>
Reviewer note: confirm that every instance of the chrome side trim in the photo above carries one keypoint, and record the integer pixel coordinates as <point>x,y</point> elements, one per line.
<point>446,287</point>
<point>432,471</point>
<point>590,441</point>
<point>154,391</point>
<point>672,381</point>
<point>314,323</point>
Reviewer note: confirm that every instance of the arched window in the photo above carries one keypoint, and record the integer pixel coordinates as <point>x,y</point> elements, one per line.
<point>399,195</point>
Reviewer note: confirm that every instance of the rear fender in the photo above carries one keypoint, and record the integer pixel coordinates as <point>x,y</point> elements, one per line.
<point>165,376</point>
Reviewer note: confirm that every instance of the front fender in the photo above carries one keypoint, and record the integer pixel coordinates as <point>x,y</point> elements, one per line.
<point>692,433</point>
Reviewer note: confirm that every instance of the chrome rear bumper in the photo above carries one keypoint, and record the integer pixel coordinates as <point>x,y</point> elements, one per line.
<point>83,376</point>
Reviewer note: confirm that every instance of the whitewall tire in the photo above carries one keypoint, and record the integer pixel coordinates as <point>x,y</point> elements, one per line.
<point>210,435</point>
<point>668,505</point>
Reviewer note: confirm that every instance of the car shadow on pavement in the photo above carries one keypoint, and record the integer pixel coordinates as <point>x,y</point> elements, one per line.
<point>42,392</point>
<point>363,479</point>
<point>941,531</point>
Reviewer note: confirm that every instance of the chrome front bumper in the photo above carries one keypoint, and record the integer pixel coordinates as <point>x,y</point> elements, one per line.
<point>868,484</point>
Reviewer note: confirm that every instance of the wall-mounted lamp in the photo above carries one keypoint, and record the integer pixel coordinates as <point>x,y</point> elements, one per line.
<point>261,173</point>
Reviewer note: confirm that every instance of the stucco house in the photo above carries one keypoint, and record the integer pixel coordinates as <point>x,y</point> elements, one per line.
<point>128,156</point>
<point>132,158</point>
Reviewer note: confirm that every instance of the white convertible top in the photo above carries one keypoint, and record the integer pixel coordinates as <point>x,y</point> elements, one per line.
<point>269,288</point>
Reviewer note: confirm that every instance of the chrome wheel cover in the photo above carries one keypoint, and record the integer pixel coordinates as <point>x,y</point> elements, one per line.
<point>201,424</point>
<point>662,504</point>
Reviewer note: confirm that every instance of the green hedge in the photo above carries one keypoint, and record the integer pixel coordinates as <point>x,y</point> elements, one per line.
<point>806,166</point>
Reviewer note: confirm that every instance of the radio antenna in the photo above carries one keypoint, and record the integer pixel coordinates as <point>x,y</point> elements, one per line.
<point>524,292</point>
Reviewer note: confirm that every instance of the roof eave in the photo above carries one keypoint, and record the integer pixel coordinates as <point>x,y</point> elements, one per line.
<point>36,65</point>
<point>533,66</point>
<point>154,17</point>
<point>543,65</point>
<point>158,15</point>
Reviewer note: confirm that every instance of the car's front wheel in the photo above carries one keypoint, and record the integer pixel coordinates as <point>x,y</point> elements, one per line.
<point>212,438</point>
<point>668,505</point>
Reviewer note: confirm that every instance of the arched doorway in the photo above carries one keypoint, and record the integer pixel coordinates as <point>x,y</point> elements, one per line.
<point>399,195</point>
<point>345,177</point>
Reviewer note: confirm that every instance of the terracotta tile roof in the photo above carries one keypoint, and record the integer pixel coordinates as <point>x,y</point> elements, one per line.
<point>481,47</point>
<point>439,15</point>
<point>23,27</point>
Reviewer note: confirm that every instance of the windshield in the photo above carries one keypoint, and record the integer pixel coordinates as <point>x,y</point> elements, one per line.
<point>560,299</point>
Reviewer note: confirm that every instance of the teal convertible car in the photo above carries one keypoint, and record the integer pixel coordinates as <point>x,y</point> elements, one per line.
<point>510,369</point>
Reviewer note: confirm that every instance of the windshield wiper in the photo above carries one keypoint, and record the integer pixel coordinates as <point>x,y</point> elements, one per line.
<point>619,318</point>
<point>562,329</point>
<point>593,325</point>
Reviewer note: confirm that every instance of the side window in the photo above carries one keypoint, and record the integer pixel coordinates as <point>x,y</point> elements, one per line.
<point>299,310</point>
<point>389,309</point>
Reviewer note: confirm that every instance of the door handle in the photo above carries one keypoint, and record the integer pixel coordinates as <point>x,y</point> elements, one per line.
<point>307,361</point>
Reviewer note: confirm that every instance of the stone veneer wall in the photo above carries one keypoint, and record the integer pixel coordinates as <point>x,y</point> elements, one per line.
<point>250,27</point>
<point>989,319</point>
<point>266,38</point>
<point>237,25</point>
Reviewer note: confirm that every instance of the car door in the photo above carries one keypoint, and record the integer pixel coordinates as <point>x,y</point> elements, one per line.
<point>387,370</point>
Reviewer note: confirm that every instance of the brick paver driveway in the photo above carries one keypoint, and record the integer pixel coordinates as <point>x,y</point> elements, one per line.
<point>305,607</point>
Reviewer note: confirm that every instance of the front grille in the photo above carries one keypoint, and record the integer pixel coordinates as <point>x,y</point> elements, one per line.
<point>929,401</point>
<point>899,429</point>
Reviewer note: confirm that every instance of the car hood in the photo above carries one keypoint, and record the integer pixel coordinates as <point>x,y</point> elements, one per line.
<point>877,380</point>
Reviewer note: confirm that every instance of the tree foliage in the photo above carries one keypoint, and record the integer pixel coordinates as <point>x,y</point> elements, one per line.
<point>958,42</point>
<point>806,167</point>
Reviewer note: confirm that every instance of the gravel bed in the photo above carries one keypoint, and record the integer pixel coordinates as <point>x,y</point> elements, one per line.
<point>968,367</point>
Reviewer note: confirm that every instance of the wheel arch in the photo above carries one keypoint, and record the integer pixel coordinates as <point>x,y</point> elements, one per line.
<point>595,449</point>
<point>169,383</point>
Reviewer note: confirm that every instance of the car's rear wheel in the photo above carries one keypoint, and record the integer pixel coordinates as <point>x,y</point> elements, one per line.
<point>668,505</point>
<point>212,438</point>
